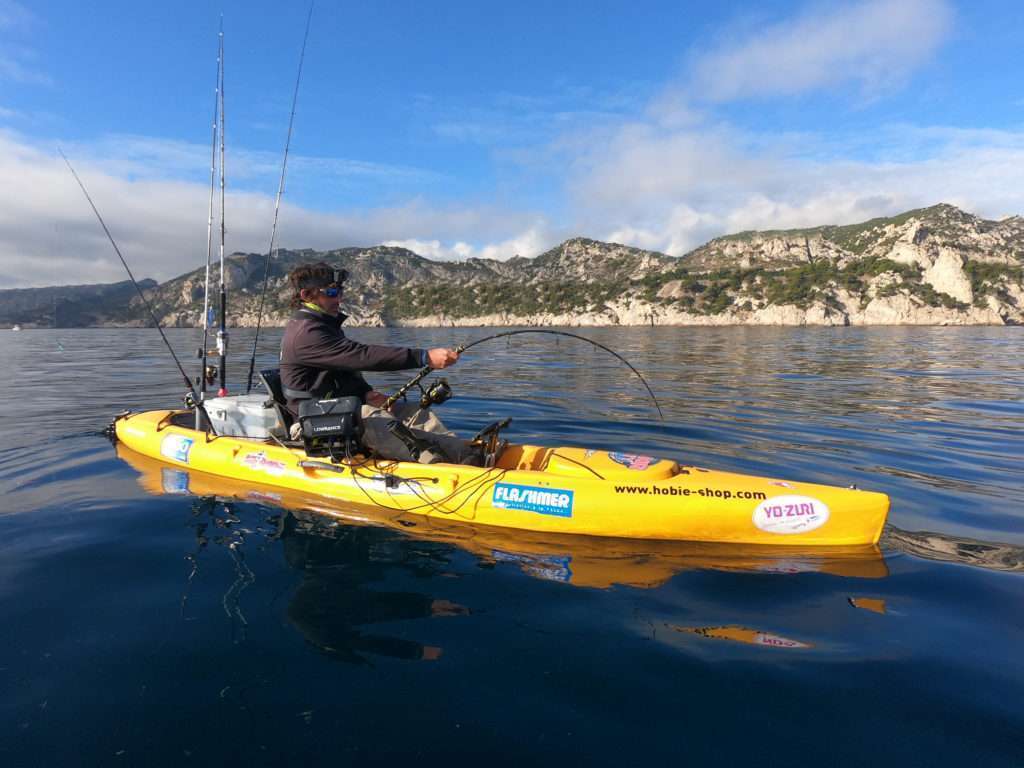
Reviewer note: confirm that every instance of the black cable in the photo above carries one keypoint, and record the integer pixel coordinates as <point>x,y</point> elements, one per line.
<point>580,463</point>
<point>472,485</point>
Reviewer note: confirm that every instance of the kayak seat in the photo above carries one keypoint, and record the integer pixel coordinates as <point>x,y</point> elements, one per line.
<point>271,378</point>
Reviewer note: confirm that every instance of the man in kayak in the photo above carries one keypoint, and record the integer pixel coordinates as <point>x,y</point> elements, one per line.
<point>319,360</point>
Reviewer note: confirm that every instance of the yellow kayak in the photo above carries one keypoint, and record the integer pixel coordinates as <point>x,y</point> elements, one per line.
<point>582,561</point>
<point>564,491</point>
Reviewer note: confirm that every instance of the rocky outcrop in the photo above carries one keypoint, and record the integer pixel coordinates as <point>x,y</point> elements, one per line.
<point>933,266</point>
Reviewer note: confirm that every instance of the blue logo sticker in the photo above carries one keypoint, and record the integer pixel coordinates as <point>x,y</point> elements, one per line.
<point>176,447</point>
<point>174,480</point>
<point>544,501</point>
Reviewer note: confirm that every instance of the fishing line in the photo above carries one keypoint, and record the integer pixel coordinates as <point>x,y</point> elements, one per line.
<point>612,352</point>
<point>145,303</point>
<point>277,204</point>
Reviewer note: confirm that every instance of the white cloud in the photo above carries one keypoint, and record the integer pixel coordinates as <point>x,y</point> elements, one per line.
<point>49,236</point>
<point>13,14</point>
<point>669,178</point>
<point>876,43</point>
<point>672,191</point>
<point>434,249</point>
<point>530,242</point>
<point>132,155</point>
<point>17,66</point>
<point>18,63</point>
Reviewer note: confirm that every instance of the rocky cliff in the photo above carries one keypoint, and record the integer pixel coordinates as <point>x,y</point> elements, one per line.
<point>933,266</point>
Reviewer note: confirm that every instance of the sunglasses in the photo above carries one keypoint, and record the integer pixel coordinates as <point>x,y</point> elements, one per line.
<point>331,292</point>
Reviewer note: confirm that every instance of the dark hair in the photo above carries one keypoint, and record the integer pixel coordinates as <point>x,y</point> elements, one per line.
<point>316,275</point>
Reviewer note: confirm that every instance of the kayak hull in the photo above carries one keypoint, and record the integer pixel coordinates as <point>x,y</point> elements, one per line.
<point>561,491</point>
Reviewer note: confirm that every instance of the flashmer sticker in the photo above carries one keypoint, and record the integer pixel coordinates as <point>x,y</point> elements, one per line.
<point>543,501</point>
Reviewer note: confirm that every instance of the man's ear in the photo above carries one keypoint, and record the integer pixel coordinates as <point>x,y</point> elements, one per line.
<point>307,294</point>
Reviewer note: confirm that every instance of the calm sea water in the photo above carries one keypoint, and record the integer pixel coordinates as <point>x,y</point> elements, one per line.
<point>154,620</point>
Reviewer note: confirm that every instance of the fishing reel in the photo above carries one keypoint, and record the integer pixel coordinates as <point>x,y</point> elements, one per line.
<point>437,393</point>
<point>209,372</point>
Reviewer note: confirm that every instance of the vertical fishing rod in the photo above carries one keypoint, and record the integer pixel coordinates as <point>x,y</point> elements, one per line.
<point>145,303</point>
<point>222,333</point>
<point>209,239</point>
<point>277,204</point>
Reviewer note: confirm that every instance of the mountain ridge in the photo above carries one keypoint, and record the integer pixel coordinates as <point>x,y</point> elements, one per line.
<point>934,265</point>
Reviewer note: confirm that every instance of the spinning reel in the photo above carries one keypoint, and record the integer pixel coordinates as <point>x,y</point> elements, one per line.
<point>438,392</point>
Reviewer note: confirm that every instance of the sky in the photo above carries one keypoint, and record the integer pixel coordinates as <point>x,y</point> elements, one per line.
<point>465,129</point>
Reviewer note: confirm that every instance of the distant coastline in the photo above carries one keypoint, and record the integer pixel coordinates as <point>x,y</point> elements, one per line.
<point>931,266</point>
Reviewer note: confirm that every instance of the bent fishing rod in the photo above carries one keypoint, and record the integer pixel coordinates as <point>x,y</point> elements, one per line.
<point>425,371</point>
<point>277,204</point>
<point>145,302</point>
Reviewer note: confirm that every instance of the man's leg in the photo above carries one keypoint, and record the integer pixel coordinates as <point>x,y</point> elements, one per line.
<point>423,424</point>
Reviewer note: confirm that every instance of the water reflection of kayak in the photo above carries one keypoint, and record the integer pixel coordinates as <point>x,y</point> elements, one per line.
<point>579,560</point>
<point>551,490</point>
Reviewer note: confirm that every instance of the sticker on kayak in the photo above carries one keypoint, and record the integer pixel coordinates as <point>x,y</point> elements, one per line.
<point>550,568</point>
<point>744,635</point>
<point>261,463</point>
<point>173,480</point>
<point>544,501</point>
<point>176,447</point>
<point>777,641</point>
<point>790,514</point>
<point>263,496</point>
<point>633,460</point>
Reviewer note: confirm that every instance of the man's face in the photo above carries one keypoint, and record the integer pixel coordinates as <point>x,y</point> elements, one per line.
<point>322,297</point>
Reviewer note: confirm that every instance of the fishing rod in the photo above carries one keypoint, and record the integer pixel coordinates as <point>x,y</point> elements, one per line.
<point>415,380</point>
<point>209,240</point>
<point>110,237</point>
<point>277,204</point>
<point>222,333</point>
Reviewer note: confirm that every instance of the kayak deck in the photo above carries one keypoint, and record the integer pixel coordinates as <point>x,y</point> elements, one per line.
<point>562,490</point>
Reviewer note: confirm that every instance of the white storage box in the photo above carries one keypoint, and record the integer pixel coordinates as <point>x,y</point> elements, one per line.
<point>243,416</point>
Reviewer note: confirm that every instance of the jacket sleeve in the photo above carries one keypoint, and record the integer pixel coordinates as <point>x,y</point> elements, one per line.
<point>322,349</point>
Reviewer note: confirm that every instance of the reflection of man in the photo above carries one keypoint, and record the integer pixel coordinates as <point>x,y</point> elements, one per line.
<point>318,360</point>
<point>329,614</point>
<point>333,604</point>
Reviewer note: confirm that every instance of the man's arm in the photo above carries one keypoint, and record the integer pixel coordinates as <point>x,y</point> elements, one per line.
<point>322,349</point>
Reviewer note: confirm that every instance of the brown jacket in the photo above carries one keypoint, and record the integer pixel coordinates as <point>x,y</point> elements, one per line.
<point>318,358</point>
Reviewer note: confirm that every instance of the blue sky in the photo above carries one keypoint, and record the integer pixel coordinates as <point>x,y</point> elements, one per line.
<point>475,129</point>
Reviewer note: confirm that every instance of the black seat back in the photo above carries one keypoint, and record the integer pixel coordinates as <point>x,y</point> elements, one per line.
<point>271,378</point>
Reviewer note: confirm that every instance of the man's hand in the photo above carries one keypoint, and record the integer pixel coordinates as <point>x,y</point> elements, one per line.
<point>441,358</point>
<point>376,399</point>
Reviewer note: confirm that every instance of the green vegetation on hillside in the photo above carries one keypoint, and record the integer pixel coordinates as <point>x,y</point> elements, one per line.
<point>989,279</point>
<point>497,297</point>
<point>713,292</point>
